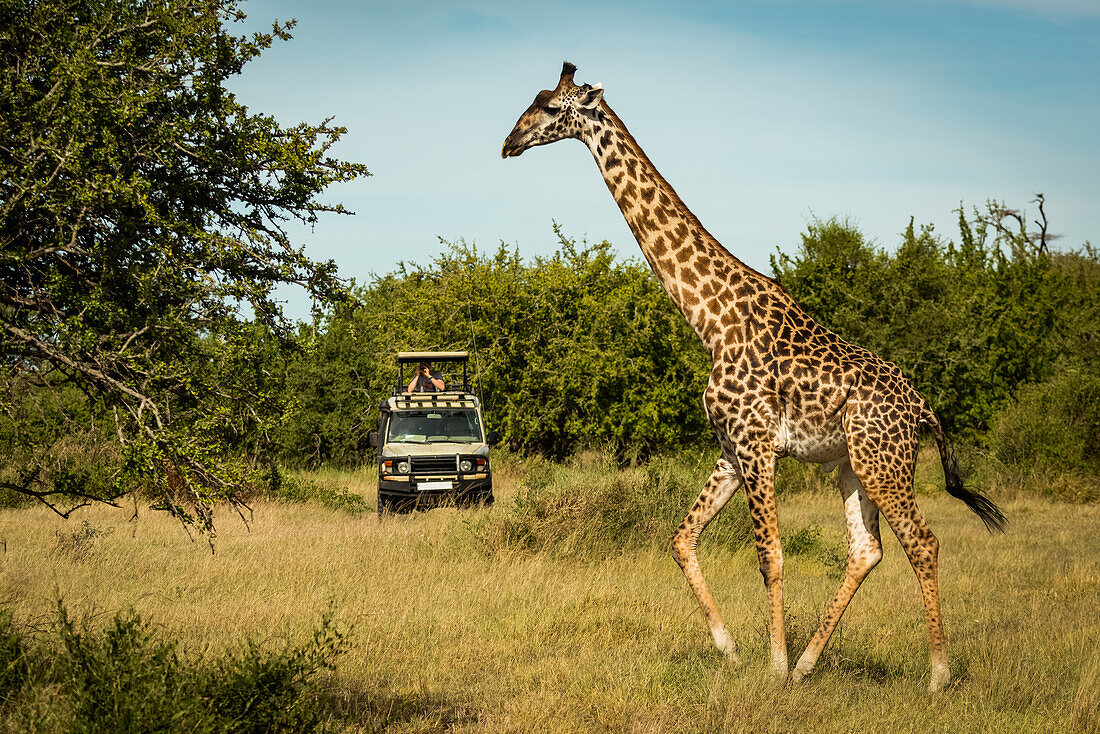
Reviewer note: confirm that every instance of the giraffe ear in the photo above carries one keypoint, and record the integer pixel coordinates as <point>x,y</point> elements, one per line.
<point>590,96</point>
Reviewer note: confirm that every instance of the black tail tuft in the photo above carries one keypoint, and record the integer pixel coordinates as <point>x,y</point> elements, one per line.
<point>982,506</point>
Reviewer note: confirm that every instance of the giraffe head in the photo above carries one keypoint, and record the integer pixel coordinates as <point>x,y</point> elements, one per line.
<point>556,114</point>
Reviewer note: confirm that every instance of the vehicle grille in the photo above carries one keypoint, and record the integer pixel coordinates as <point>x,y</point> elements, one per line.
<point>434,465</point>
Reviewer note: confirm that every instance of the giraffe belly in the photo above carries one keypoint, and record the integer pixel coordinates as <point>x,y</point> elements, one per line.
<point>823,444</point>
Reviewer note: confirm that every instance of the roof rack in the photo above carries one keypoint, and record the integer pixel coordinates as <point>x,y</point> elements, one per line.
<point>447,399</point>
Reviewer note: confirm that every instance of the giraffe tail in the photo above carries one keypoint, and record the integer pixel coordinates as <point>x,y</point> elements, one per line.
<point>981,505</point>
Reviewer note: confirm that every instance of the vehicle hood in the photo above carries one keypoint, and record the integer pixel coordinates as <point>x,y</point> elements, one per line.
<point>434,449</point>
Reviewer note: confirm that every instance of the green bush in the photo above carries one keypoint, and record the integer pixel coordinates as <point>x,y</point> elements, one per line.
<point>1053,424</point>
<point>813,542</point>
<point>589,505</point>
<point>123,679</point>
<point>128,677</point>
<point>13,657</point>
<point>794,477</point>
<point>78,544</point>
<point>276,484</point>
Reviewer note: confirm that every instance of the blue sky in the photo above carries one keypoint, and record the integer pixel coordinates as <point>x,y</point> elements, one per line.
<point>762,115</point>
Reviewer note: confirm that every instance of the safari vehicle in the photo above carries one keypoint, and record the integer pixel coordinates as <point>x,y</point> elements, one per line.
<point>432,446</point>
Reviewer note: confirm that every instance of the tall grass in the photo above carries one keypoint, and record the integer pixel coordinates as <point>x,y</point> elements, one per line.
<point>559,608</point>
<point>590,507</point>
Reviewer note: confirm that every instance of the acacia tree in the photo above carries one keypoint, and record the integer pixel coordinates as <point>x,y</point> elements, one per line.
<point>142,229</point>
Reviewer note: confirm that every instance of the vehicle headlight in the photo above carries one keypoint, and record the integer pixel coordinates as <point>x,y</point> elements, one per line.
<point>403,467</point>
<point>465,465</point>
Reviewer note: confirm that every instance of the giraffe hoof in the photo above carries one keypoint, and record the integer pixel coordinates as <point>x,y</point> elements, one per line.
<point>726,646</point>
<point>941,676</point>
<point>731,656</point>
<point>800,673</point>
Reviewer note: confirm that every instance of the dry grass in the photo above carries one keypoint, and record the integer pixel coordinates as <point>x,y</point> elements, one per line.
<point>447,638</point>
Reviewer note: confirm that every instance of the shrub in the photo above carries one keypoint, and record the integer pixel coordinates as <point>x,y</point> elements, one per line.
<point>276,484</point>
<point>262,690</point>
<point>78,544</point>
<point>812,542</point>
<point>590,505</point>
<point>123,679</point>
<point>1053,424</point>
<point>13,658</point>
<point>128,677</point>
<point>794,477</point>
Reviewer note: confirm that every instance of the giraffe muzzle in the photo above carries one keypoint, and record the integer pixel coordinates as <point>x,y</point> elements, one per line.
<point>516,142</point>
<point>511,148</point>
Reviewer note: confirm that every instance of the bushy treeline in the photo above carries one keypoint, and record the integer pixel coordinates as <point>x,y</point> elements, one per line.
<point>582,349</point>
<point>572,350</point>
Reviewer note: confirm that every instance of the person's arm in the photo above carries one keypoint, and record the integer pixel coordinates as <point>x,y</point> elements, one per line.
<point>437,380</point>
<point>412,382</point>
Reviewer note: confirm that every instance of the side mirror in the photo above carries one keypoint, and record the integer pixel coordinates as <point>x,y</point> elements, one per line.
<point>373,437</point>
<point>493,438</point>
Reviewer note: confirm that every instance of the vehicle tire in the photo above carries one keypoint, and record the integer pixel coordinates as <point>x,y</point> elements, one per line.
<point>393,505</point>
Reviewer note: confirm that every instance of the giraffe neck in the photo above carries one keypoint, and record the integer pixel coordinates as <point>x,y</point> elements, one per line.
<point>700,276</point>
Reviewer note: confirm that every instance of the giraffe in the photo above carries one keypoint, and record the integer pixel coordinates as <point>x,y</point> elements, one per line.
<point>781,385</point>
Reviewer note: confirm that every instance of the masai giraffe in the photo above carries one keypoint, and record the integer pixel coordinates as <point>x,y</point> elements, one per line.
<point>782,385</point>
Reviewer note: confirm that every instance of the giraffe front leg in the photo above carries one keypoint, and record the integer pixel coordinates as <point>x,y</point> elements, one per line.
<point>770,555</point>
<point>723,483</point>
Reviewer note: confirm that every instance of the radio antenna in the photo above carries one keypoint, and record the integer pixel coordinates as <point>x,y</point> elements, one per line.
<point>473,340</point>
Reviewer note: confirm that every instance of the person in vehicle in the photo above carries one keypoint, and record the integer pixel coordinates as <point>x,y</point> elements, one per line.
<point>426,379</point>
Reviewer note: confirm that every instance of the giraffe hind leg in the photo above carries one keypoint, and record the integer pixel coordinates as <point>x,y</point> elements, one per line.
<point>864,553</point>
<point>922,548</point>
<point>723,483</point>
<point>888,479</point>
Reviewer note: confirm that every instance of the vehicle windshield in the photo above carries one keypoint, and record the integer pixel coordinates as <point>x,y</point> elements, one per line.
<point>434,426</point>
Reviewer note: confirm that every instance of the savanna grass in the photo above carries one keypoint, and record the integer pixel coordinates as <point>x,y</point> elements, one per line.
<point>579,620</point>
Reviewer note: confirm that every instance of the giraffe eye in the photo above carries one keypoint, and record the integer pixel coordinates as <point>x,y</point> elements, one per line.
<point>553,108</point>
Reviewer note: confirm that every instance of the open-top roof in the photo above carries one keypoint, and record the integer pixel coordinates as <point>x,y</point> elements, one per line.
<point>462,358</point>
<point>408,357</point>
